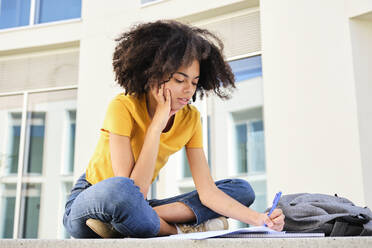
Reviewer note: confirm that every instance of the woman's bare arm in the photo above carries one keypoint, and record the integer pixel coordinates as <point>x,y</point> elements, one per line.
<point>221,203</point>
<point>121,153</point>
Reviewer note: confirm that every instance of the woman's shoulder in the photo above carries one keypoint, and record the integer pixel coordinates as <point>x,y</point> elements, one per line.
<point>129,101</point>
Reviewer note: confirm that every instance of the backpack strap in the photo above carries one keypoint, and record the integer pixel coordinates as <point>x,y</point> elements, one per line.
<point>348,226</point>
<point>339,229</point>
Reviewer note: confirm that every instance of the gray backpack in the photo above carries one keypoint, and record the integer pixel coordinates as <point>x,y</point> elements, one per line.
<point>331,215</point>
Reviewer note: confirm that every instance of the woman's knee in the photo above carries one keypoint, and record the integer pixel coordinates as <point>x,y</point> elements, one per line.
<point>244,191</point>
<point>116,188</point>
<point>118,191</point>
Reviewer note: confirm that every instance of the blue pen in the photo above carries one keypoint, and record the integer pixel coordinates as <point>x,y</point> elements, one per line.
<point>275,203</point>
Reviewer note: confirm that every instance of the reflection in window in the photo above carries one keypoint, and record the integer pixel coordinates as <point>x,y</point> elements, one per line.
<point>14,13</point>
<point>30,210</point>
<point>247,68</point>
<point>7,206</point>
<point>56,10</point>
<point>35,142</point>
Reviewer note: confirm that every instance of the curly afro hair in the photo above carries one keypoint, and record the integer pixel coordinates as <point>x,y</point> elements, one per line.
<point>150,52</point>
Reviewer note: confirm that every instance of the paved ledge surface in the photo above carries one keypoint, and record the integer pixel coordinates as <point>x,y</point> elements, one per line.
<point>339,242</point>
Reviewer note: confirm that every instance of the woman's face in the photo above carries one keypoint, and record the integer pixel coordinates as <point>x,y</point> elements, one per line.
<point>183,85</point>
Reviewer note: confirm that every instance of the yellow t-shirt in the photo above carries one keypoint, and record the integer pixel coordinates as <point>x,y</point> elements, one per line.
<point>127,115</point>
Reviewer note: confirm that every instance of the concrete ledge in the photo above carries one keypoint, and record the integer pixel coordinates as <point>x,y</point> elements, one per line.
<point>357,242</point>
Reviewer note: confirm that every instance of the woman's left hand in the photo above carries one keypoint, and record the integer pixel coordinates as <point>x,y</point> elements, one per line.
<point>277,217</point>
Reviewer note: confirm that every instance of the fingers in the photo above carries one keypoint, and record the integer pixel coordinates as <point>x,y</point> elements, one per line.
<point>161,93</point>
<point>277,217</point>
<point>277,212</point>
<point>268,222</point>
<point>158,93</point>
<point>167,95</point>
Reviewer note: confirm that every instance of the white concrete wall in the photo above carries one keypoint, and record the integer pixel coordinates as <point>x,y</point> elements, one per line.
<point>310,102</point>
<point>31,37</point>
<point>361,37</point>
<point>356,8</point>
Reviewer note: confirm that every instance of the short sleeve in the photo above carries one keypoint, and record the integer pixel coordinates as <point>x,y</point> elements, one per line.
<point>118,120</point>
<point>196,140</point>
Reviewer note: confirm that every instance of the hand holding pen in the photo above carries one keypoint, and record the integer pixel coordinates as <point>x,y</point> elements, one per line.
<point>275,217</point>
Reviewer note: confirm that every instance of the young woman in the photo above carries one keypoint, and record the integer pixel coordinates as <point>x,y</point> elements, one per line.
<point>162,66</point>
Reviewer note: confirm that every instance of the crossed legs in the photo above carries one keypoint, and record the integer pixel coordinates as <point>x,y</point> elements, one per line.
<point>176,212</point>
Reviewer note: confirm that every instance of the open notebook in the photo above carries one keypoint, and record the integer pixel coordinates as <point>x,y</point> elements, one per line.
<point>249,232</point>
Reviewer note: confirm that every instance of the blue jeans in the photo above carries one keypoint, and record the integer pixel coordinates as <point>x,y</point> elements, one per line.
<point>117,200</point>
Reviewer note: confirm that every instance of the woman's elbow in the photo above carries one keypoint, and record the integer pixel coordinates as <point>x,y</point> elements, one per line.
<point>206,196</point>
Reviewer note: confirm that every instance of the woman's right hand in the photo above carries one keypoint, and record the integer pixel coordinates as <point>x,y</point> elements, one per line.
<point>163,108</point>
<point>274,222</point>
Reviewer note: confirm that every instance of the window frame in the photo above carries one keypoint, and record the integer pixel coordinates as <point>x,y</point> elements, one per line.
<point>21,178</point>
<point>31,22</point>
<point>245,56</point>
<point>249,166</point>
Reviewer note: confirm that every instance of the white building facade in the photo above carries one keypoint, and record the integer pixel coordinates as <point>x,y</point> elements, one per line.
<point>299,120</point>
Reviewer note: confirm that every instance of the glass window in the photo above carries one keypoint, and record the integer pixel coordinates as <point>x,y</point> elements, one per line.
<point>256,146</point>
<point>30,210</point>
<point>7,207</point>
<point>14,13</point>
<point>153,189</point>
<point>35,142</point>
<point>209,140</point>
<point>259,187</point>
<point>10,130</point>
<point>14,139</point>
<point>241,140</point>
<point>250,153</point>
<point>68,167</point>
<point>249,141</point>
<point>246,68</point>
<point>66,189</point>
<point>72,129</point>
<point>184,190</point>
<point>56,10</point>
<point>185,164</point>
<point>49,131</point>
